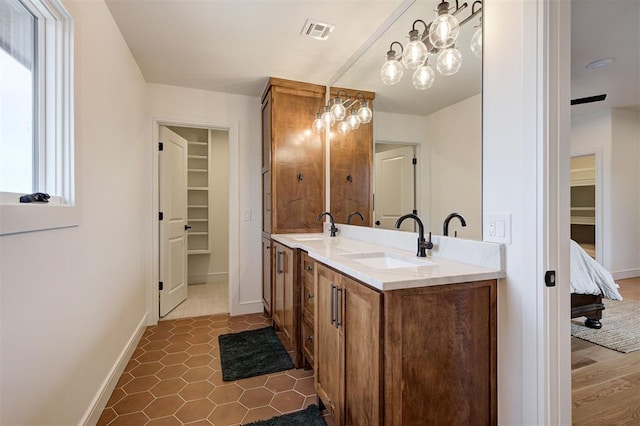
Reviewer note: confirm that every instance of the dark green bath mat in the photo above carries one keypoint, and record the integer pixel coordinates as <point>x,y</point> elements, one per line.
<point>310,416</point>
<point>252,353</point>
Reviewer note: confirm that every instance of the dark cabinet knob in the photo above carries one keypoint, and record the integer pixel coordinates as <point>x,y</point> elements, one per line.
<point>377,223</point>
<point>309,338</point>
<point>310,296</point>
<point>308,268</point>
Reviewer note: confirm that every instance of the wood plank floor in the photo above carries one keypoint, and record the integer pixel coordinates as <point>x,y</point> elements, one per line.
<point>606,383</point>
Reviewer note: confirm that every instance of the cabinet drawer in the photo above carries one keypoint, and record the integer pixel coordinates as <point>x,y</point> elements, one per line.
<point>307,300</point>
<point>307,266</point>
<point>307,340</point>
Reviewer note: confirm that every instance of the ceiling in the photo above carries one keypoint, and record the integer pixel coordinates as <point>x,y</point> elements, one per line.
<point>233,46</point>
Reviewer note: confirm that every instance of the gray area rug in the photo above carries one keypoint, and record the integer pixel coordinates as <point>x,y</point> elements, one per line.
<point>620,327</point>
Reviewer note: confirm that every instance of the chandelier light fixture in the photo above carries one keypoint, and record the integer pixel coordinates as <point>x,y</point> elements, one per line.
<point>439,40</point>
<point>335,111</point>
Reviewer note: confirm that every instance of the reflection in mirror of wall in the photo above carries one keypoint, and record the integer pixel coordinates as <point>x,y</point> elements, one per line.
<point>443,123</point>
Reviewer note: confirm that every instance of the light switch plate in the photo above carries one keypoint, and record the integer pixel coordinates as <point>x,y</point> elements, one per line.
<point>247,215</point>
<point>498,228</point>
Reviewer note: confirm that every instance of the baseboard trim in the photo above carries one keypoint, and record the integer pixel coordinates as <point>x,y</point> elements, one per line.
<point>213,277</point>
<point>98,403</point>
<point>248,308</point>
<point>629,273</point>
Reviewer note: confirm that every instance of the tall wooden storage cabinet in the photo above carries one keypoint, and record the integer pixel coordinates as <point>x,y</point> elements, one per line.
<point>293,183</point>
<point>351,162</point>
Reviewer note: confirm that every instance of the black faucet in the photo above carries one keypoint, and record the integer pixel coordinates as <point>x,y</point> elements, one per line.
<point>333,222</point>
<point>445,226</point>
<point>422,243</point>
<point>354,214</point>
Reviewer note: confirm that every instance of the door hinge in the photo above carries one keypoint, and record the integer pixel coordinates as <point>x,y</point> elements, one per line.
<point>414,161</point>
<point>161,286</point>
<point>160,146</point>
<point>550,278</point>
<point>160,216</point>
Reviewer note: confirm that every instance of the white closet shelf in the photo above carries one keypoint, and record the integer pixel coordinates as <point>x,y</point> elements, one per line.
<point>197,170</point>
<point>197,143</point>
<point>582,220</point>
<point>199,157</point>
<point>197,188</point>
<point>197,234</point>
<point>198,220</point>
<point>197,206</point>
<point>198,252</point>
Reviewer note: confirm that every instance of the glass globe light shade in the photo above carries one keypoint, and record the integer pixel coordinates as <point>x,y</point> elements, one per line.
<point>343,127</point>
<point>338,110</point>
<point>391,72</point>
<point>423,77</point>
<point>353,120</point>
<point>449,61</point>
<point>415,53</point>
<point>444,31</point>
<point>476,42</point>
<point>364,113</point>
<point>328,118</point>
<point>318,125</point>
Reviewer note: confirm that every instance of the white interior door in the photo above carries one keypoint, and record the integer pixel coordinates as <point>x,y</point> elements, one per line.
<point>173,205</point>
<point>394,187</point>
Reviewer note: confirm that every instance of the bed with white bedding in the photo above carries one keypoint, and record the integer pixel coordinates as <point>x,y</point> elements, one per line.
<point>590,282</point>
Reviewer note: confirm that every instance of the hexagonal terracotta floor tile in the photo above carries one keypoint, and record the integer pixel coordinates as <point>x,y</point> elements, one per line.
<point>172,371</point>
<point>305,386</point>
<point>163,407</point>
<point>287,401</point>
<point>197,390</point>
<point>261,413</point>
<point>164,421</point>
<point>258,397</point>
<point>198,360</point>
<point>197,374</point>
<point>176,358</point>
<point>228,414</point>
<point>140,384</point>
<point>168,387</point>
<point>150,356</point>
<point>280,382</point>
<point>195,410</point>
<point>133,403</point>
<point>252,382</point>
<point>146,369</point>
<point>226,393</point>
<point>130,419</point>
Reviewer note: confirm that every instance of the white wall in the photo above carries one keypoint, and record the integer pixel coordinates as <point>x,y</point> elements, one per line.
<point>241,115</point>
<point>454,138</point>
<point>72,298</point>
<point>613,135</point>
<point>450,162</point>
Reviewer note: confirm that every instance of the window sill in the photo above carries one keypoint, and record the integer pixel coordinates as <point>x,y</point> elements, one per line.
<point>29,217</point>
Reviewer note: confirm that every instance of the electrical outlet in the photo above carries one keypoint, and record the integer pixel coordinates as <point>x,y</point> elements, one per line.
<point>498,227</point>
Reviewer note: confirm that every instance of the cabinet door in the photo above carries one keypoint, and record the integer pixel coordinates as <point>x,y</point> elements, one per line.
<point>360,318</point>
<point>328,348</point>
<point>266,274</point>
<point>278,285</point>
<point>289,320</point>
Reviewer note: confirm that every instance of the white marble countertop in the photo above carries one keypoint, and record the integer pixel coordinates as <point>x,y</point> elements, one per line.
<point>337,252</point>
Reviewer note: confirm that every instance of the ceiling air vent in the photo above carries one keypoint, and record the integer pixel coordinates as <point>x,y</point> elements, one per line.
<point>317,30</point>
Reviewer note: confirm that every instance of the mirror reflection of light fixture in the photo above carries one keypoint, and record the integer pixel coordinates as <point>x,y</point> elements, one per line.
<point>392,70</point>
<point>443,31</point>
<point>449,61</point>
<point>439,39</point>
<point>324,120</point>
<point>318,124</point>
<point>416,51</point>
<point>423,77</point>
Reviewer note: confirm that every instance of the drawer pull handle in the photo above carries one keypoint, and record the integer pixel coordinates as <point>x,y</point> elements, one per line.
<point>310,296</point>
<point>308,268</point>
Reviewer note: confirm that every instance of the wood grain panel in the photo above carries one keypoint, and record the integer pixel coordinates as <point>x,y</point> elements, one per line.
<point>362,309</point>
<point>440,355</point>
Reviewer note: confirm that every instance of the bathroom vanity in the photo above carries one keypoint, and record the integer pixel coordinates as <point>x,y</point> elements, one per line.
<point>397,339</point>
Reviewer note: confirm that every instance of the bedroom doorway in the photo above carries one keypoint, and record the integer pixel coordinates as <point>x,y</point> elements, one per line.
<point>207,222</point>
<point>584,205</point>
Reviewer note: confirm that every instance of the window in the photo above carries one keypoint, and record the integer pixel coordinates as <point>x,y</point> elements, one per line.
<point>36,114</point>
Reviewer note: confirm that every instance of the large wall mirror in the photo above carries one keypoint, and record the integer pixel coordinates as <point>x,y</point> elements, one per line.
<point>440,126</point>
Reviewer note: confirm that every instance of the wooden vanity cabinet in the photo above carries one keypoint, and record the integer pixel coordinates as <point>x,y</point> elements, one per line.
<point>416,356</point>
<point>286,297</point>
<point>351,159</point>
<point>266,274</point>
<point>348,357</point>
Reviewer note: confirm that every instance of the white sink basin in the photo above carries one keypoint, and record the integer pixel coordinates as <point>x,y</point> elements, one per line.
<point>384,260</point>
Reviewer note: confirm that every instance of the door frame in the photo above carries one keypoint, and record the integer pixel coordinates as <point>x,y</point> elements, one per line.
<point>153,292</point>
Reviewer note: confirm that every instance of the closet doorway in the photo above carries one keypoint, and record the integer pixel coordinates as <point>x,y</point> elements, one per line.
<point>207,223</point>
